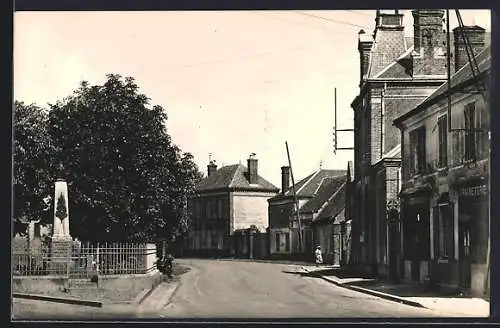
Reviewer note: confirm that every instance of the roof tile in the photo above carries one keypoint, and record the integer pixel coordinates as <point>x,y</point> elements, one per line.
<point>329,186</point>
<point>233,176</point>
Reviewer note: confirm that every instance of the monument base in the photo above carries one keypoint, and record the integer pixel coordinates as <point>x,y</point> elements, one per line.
<point>61,249</point>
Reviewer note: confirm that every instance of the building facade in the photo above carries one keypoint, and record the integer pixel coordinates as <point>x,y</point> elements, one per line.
<point>445,192</point>
<point>328,223</point>
<point>312,193</point>
<point>397,73</point>
<point>229,200</point>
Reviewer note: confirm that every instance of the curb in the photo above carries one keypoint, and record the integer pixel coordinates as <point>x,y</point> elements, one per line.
<point>368,291</point>
<point>145,294</point>
<point>58,299</point>
<point>263,261</point>
<point>173,289</point>
<point>169,291</point>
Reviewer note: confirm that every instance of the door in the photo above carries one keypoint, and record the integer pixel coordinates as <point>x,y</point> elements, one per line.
<point>308,242</point>
<point>394,239</point>
<point>464,242</point>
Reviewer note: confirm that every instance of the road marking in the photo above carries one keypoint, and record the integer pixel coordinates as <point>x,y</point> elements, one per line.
<point>196,285</point>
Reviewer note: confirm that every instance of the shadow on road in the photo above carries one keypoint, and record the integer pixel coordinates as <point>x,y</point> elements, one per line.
<point>301,273</point>
<point>370,281</point>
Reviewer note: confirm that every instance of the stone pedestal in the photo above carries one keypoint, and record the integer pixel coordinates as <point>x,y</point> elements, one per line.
<point>60,254</point>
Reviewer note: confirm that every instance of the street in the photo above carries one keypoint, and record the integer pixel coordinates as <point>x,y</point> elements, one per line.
<point>238,289</point>
<point>253,290</point>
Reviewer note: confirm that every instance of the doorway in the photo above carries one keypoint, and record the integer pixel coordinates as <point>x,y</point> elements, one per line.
<point>394,239</point>
<point>420,236</point>
<point>464,256</point>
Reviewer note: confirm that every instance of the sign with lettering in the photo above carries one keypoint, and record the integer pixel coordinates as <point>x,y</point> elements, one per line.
<point>474,191</point>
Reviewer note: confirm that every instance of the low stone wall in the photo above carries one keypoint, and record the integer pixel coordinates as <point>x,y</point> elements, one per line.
<point>38,285</point>
<point>117,288</point>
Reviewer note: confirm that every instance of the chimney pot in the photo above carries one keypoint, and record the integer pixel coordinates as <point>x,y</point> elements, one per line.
<point>253,175</point>
<point>211,168</point>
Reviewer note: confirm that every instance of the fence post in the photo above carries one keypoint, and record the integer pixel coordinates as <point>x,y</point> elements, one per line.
<point>97,260</point>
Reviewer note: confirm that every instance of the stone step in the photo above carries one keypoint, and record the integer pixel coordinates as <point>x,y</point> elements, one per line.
<point>82,284</point>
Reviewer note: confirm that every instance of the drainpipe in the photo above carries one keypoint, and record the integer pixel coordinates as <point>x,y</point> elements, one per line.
<point>382,123</point>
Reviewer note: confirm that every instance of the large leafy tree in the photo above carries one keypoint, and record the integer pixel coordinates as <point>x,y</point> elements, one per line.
<point>126,178</point>
<point>33,166</point>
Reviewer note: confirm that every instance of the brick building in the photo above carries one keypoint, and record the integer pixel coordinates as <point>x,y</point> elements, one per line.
<point>396,74</point>
<point>313,195</point>
<point>445,192</point>
<point>229,200</point>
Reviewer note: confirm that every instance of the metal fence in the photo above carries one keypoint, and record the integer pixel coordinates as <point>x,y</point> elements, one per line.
<point>85,260</point>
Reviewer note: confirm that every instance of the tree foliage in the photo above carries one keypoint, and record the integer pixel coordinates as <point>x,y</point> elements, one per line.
<point>126,178</point>
<point>33,165</point>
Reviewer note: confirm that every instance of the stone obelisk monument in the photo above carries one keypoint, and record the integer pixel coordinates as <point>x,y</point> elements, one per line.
<point>61,245</point>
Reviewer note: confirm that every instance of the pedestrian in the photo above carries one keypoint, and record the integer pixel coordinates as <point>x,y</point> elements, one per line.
<point>318,256</point>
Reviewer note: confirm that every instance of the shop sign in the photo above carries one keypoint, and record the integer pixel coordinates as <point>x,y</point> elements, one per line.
<point>474,191</point>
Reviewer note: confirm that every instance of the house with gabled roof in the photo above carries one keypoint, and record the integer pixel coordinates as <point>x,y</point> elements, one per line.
<point>312,193</point>
<point>228,200</point>
<point>327,209</point>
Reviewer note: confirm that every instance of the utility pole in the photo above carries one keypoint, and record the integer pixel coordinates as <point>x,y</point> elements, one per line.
<point>296,202</point>
<point>335,130</point>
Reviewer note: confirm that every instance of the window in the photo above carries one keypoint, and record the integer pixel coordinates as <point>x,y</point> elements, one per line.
<point>277,237</point>
<point>445,232</point>
<point>209,209</point>
<point>443,141</point>
<point>287,242</point>
<point>220,208</point>
<point>470,138</point>
<point>215,239</point>
<point>417,151</point>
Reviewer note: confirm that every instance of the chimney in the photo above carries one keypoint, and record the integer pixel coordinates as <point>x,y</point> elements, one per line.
<point>389,20</point>
<point>252,169</point>
<point>211,168</point>
<point>365,43</point>
<point>475,37</point>
<point>429,42</point>
<point>285,178</point>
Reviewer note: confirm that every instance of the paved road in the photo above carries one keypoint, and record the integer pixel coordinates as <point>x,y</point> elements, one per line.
<point>237,289</point>
<point>253,290</point>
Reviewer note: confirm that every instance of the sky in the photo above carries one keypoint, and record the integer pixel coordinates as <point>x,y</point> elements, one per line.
<point>232,82</point>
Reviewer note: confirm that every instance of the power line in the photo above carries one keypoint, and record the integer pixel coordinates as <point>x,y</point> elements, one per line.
<point>300,24</point>
<point>331,20</point>
<point>358,13</point>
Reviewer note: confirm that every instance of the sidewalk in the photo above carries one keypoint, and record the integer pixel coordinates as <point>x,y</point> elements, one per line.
<point>406,293</point>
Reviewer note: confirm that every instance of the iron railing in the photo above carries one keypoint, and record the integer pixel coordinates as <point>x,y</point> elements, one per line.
<point>86,259</point>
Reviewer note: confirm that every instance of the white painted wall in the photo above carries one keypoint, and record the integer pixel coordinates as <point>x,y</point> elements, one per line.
<point>250,209</point>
